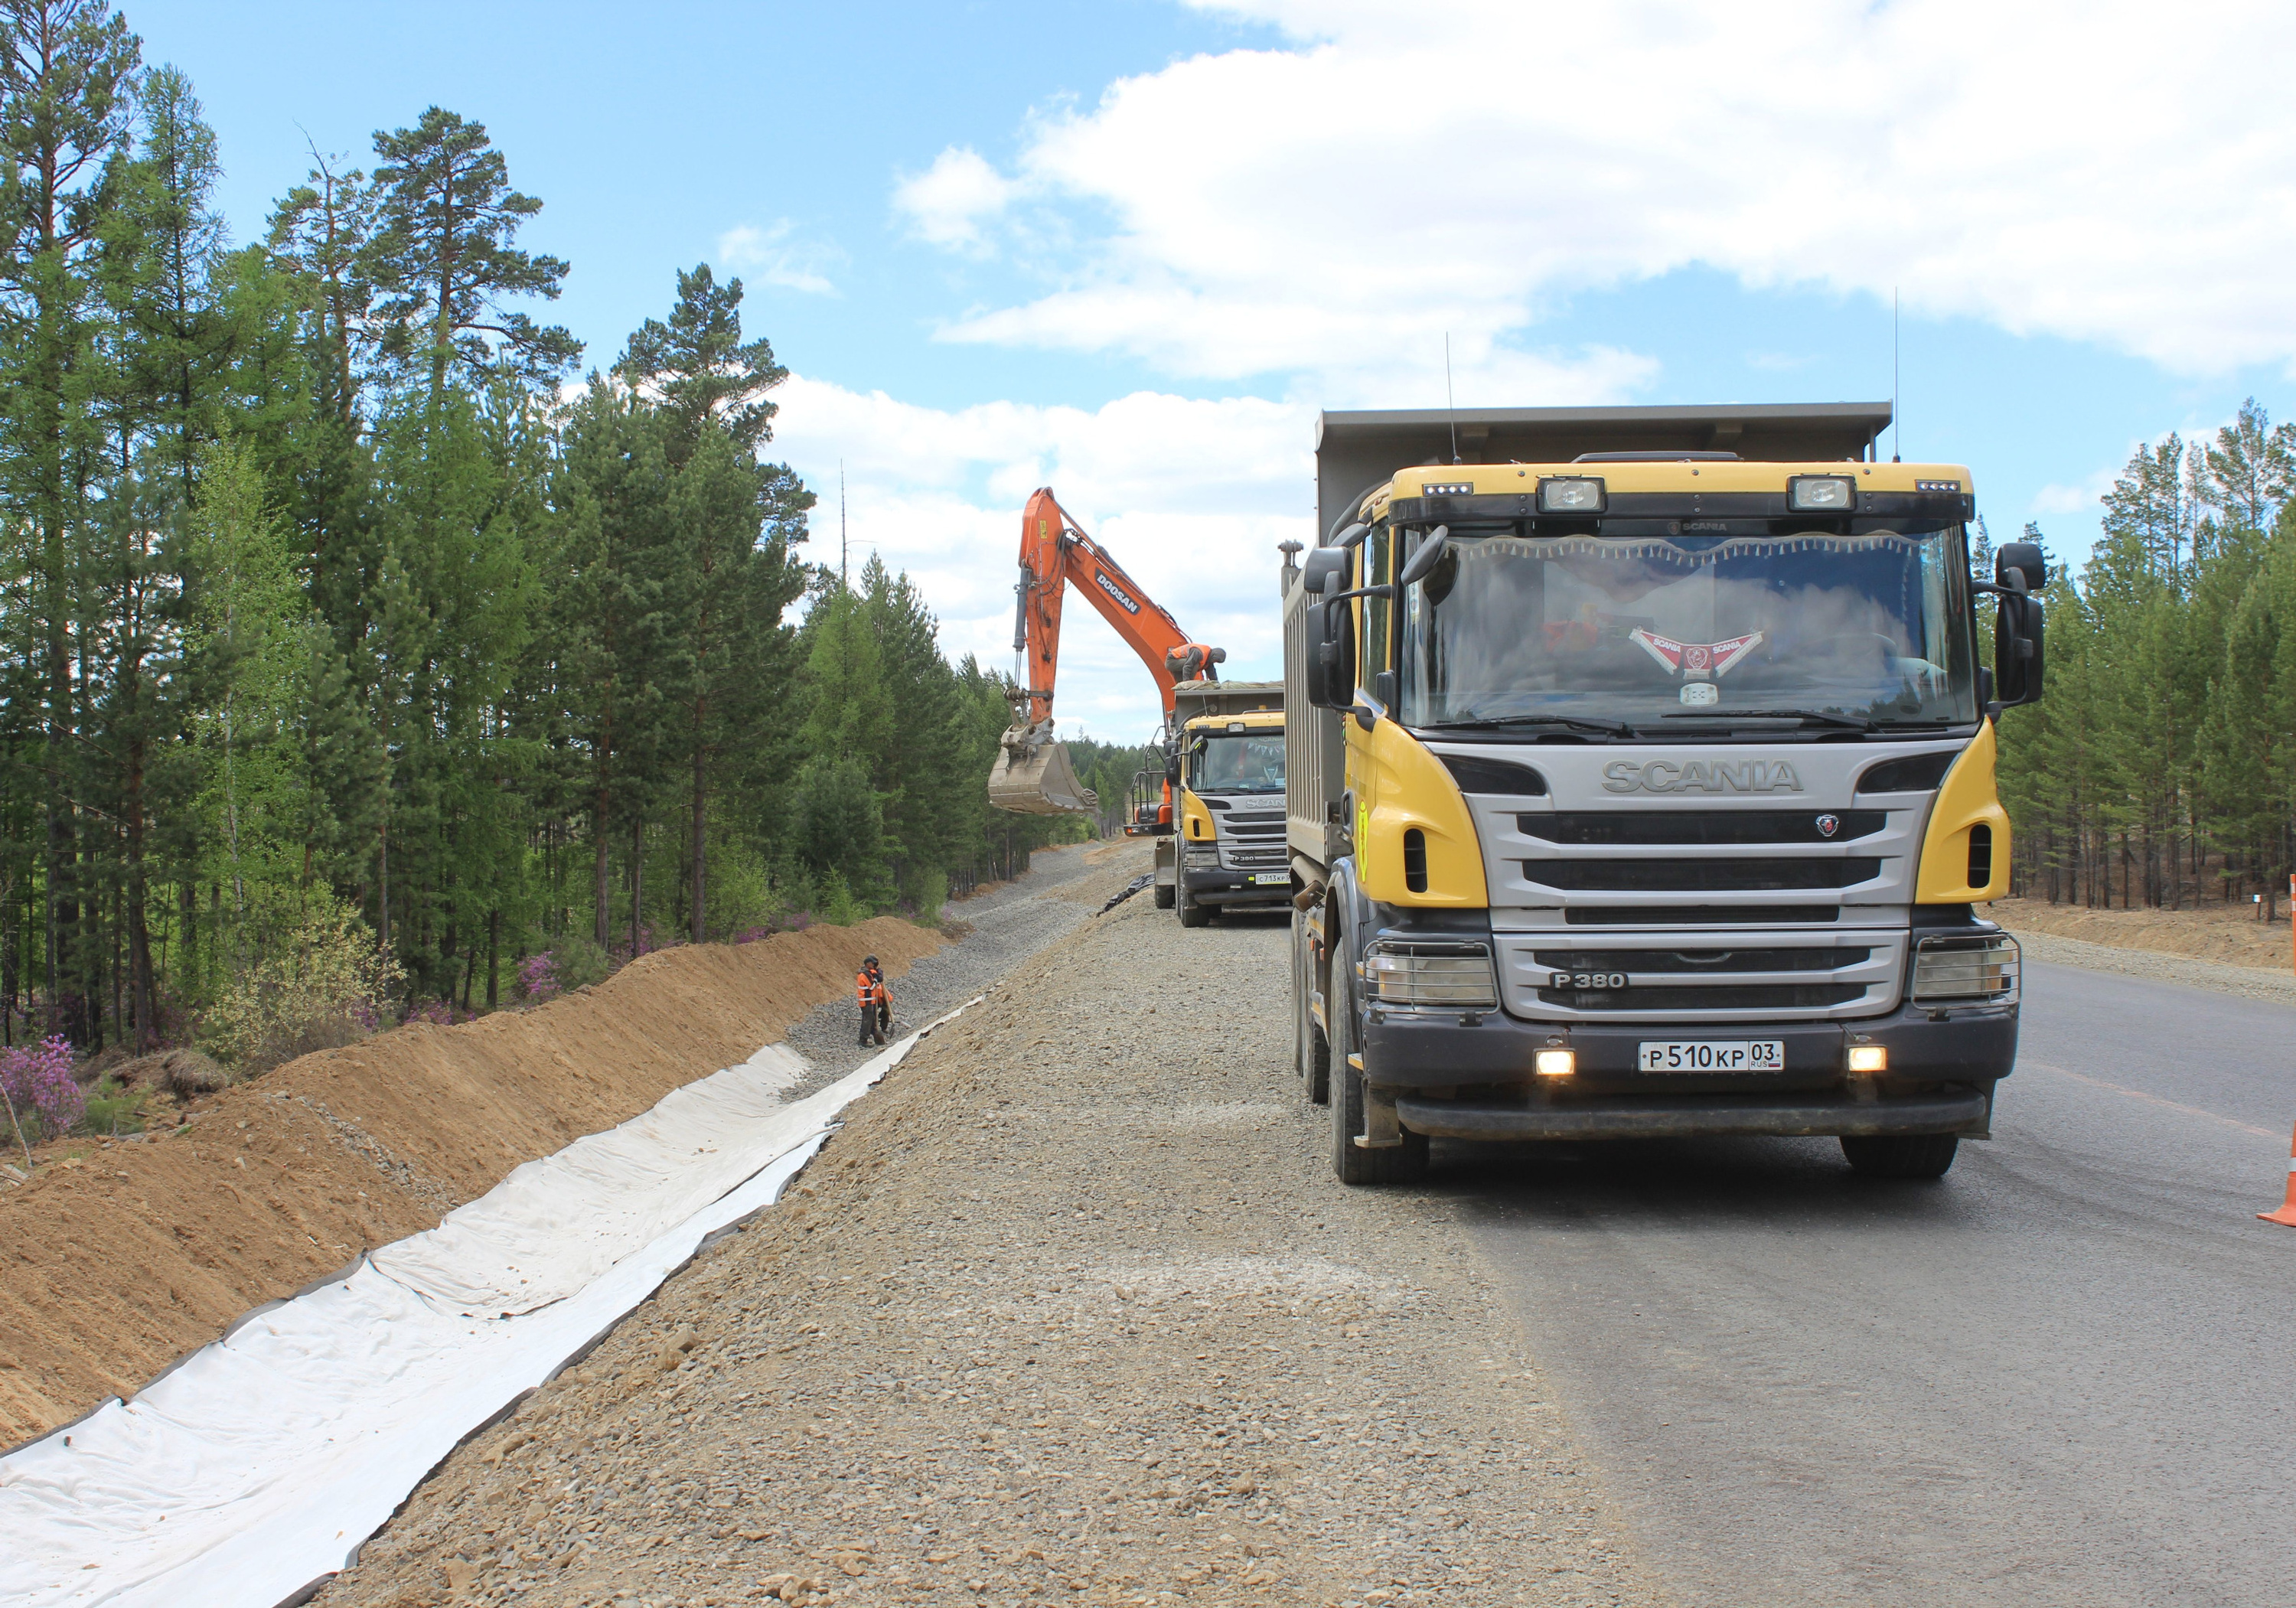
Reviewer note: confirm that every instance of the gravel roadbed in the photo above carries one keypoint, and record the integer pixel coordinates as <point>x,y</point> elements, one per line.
<point>2250,981</point>
<point>1073,1311</point>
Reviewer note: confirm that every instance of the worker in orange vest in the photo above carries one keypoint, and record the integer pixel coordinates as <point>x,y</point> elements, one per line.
<point>876,1002</point>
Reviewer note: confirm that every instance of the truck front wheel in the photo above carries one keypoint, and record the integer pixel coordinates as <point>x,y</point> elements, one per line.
<point>1164,895</point>
<point>1192,913</point>
<point>1900,1155</point>
<point>1404,1163</point>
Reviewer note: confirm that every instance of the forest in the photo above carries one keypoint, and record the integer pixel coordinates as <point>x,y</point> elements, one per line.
<point>2160,768</point>
<point>364,651</point>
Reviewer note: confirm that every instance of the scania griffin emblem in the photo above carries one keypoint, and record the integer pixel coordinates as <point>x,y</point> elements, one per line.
<point>1827,825</point>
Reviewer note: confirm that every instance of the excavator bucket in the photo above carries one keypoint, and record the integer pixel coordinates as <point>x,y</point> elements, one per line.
<point>1035,778</point>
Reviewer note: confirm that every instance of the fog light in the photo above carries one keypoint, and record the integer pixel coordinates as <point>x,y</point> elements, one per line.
<point>1868,1058</point>
<point>1574,495</point>
<point>1821,494</point>
<point>1556,1064</point>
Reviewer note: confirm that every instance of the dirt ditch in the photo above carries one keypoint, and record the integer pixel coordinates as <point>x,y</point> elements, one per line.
<point>136,1252</point>
<point>1070,1310</point>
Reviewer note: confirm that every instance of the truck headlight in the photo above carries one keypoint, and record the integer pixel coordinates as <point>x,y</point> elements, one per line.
<point>1400,971</point>
<point>1205,858</point>
<point>1981,968</point>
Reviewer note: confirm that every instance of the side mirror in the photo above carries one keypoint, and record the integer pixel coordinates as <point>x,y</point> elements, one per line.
<point>1429,553</point>
<point>1328,673</point>
<point>1324,566</point>
<point>2018,656</point>
<point>2024,560</point>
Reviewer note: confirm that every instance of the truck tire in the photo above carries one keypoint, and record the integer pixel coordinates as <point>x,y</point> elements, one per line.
<point>1404,1163</point>
<point>1192,913</point>
<point>1312,1051</point>
<point>1900,1155</point>
<point>1164,894</point>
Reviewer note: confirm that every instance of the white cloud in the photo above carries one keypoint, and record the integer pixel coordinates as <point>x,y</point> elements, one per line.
<point>1191,497</point>
<point>2080,170</point>
<point>774,255</point>
<point>949,202</point>
<point>2086,498</point>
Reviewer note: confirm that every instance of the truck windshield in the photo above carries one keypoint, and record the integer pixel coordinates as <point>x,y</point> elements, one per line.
<point>1636,628</point>
<point>1236,762</point>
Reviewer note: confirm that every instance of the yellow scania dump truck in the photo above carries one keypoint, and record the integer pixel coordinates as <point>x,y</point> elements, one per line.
<point>1640,782</point>
<point>1227,773</point>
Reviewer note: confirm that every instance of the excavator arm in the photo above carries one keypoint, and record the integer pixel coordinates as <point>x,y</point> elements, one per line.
<point>1033,774</point>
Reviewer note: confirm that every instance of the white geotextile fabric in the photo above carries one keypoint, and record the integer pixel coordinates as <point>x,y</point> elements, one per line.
<point>257,1466</point>
<point>554,1225</point>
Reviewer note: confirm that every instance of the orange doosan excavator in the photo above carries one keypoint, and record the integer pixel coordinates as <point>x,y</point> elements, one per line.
<point>1032,775</point>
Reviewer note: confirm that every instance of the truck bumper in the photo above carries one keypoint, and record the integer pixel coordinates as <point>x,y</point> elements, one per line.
<point>1236,888</point>
<point>1942,1067</point>
<point>1541,1115</point>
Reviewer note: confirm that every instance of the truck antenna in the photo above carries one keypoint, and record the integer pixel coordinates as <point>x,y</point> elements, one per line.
<point>1450,398</point>
<point>1897,433</point>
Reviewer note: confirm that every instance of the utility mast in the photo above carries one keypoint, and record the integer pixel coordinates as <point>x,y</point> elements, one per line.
<point>844,553</point>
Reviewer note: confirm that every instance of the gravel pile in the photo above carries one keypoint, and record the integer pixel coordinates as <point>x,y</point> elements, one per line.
<point>2248,982</point>
<point>1008,925</point>
<point>1070,1312</point>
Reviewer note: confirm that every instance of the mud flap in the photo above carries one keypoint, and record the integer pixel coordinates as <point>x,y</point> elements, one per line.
<point>1032,776</point>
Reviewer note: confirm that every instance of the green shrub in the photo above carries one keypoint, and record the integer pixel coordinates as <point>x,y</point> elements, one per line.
<point>112,1109</point>
<point>327,983</point>
<point>833,901</point>
<point>576,961</point>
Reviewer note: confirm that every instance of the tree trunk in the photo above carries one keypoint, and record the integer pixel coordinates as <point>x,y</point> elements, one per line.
<point>638,883</point>
<point>494,956</point>
<point>701,807</point>
<point>602,928</point>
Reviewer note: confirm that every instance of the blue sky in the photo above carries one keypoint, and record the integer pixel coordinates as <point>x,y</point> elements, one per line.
<point>1130,248</point>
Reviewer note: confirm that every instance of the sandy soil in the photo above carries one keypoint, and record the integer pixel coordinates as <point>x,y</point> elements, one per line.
<point>2231,935</point>
<point>1072,1310</point>
<point>120,1261</point>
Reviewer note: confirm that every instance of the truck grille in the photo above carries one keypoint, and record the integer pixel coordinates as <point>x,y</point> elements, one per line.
<point>1764,976</point>
<point>1685,827</point>
<point>1697,915</point>
<point>1700,961</point>
<point>1744,997</point>
<point>1255,857</point>
<point>1701,876</point>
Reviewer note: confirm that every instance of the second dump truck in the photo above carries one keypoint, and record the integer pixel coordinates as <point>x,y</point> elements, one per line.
<point>1227,771</point>
<point>1641,782</point>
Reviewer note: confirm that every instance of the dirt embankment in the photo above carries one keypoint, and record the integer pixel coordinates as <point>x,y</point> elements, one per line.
<point>2228,934</point>
<point>1070,1310</point>
<point>117,1263</point>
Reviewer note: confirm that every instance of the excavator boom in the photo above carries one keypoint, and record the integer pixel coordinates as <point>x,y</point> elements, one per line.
<point>1033,776</point>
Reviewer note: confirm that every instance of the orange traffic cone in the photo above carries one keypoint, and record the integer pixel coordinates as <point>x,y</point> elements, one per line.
<point>2287,1212</point>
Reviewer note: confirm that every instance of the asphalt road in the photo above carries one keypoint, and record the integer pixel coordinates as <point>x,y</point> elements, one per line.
<point>2064,1374</point>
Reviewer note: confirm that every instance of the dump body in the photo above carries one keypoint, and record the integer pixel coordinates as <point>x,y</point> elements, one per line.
<point>1664,793</point>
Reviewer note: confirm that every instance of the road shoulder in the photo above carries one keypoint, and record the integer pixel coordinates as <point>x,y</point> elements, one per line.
<point>1071,1308</point>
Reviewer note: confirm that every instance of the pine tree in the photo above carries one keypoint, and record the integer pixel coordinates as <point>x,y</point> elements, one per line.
<point>442,262</point>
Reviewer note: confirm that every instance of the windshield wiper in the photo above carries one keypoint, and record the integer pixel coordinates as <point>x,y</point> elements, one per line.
<point>1855,723</point>
<point>1577,723</point>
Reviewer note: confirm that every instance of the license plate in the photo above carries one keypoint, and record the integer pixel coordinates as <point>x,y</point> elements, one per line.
<point>1708,1055</point>
<point>1265,877</point>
